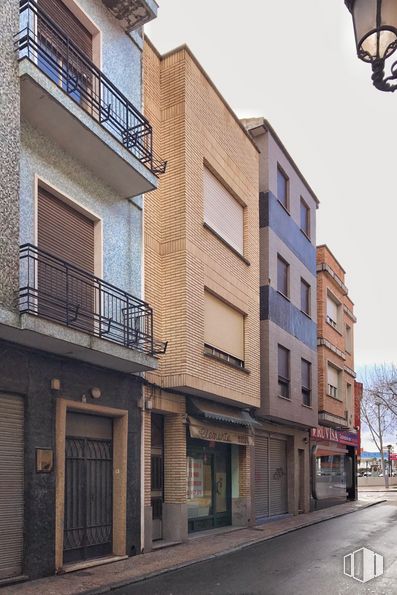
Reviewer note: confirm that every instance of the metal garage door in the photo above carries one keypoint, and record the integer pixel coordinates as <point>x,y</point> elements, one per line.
<point>11,485</point>
<point>271,489</point>
<point>278,502</point>
<point>261,476</point>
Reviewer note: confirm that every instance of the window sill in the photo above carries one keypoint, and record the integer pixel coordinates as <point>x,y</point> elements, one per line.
<point>334,398</point>
<point>230,364</point>
<point>306,314</point>
<point>226,243</point>
<point>285,208</point>
<point>335,329</point>
<point>284,398</point>
<point>307,406</point>
<point>305,234</point>
<point>283,295</point>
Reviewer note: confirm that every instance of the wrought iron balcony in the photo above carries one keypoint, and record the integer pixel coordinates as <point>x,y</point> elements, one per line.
<point>42,42</point>
<point>58,291</point>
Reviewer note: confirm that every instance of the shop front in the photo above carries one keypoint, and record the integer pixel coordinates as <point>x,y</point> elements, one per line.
<point>217,466</point>
<point>334,457</point>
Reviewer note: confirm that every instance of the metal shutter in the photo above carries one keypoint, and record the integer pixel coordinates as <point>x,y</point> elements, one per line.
<point>261,476</point>
<point>278,501</point>
<point>64,232</point>
<point>69,23</point>
<point>222,212</point>
<point>11,485</point>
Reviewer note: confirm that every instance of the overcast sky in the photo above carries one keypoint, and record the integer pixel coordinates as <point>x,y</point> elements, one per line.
<point>295,63</point>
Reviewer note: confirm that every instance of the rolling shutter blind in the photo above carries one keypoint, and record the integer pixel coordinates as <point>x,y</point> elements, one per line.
<point>64,232</point>
<point>69,24</point>
<point>222,212</point>
<point>223,327</point>
<point>333,376</point>
<point>11,485</point>
<point>332,309</point>
<point>261,476</point>
<point>278,503</point>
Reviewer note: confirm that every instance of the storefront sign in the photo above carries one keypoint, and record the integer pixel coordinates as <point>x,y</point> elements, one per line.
<point>331,435</point>
<point>212,433</point>
<point>393,456</point>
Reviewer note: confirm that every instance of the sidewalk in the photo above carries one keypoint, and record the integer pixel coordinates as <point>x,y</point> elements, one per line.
<point>102,579</point>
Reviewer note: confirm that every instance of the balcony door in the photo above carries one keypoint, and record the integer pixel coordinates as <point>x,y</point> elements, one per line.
<point>57,57</point>
<point>65,283</point>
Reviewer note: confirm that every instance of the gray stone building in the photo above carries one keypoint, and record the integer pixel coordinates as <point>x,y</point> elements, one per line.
<point>288,323</point>
<point>75,332</point>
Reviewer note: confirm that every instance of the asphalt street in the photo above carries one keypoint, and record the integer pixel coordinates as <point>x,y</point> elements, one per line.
<point>308,562</point>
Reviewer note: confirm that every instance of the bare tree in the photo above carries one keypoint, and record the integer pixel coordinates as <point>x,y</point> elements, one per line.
<point>379,406</point>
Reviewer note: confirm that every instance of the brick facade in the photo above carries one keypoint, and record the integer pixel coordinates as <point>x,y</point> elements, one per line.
<point>332,342</point>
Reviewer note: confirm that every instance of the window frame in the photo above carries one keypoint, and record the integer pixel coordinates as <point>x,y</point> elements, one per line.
<point>334,391</point>
<point>335,324</point>
<point>307,231</point>
<point>281,259</point>
<point>281,172</point>
<point>348,338</point>
<point>309,293</point>
<point>284,381</point>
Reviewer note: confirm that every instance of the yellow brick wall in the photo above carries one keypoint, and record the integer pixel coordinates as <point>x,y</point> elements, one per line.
<point>174,458</point>
<point>193,126</point>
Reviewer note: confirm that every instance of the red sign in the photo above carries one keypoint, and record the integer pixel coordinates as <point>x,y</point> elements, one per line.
<point>330,435</point>
<point>393,456</point>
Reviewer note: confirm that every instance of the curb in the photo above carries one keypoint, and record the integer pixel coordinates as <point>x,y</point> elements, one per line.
<point>140,579</point>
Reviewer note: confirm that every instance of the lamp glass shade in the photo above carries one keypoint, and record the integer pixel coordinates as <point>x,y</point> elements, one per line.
<point>375,26</point>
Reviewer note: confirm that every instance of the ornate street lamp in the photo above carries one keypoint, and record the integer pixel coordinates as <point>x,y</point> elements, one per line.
<point>375,28</point>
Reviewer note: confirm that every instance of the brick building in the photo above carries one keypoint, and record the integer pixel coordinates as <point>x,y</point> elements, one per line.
<point>335,441</point>
<point>201,275</point>
<point>288,328</point>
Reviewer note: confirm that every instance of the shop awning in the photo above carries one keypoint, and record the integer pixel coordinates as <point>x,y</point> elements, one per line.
<point>212,411</point>
<point>218,433</point>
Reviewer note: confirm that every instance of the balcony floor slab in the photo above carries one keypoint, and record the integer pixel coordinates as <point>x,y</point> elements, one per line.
<point>49,109</point>
<point>37,333</point>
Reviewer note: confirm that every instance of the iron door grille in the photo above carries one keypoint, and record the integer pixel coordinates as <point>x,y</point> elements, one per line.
<point>88,499</point>
<point>11,485</point>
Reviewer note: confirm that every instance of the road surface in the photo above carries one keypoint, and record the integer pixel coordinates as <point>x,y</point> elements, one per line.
<point>308,562</point>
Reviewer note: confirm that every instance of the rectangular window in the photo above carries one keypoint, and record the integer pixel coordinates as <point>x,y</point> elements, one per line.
<point>349,339</point>
<point>305,297</point>
<point>306,383</point>
<point>282,187</point>
<point>282,276</point>
<point>332,312</point>
<point>333,381</point>
<point>283,372</point>
<point>349,397</point>
<point>222,212</point>
<point>305,218</point>
<point>223,330</point>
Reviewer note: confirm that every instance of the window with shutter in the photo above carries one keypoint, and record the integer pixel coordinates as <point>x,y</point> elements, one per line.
<point>223,328</point>
<point>282,276</point>
<point>306,382</point>
<point>68,235</point>
<point>305,297</point>
<point>333,381</point>
<point>332,312</point>
<point>283,372</point>
<point>222,212</point>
